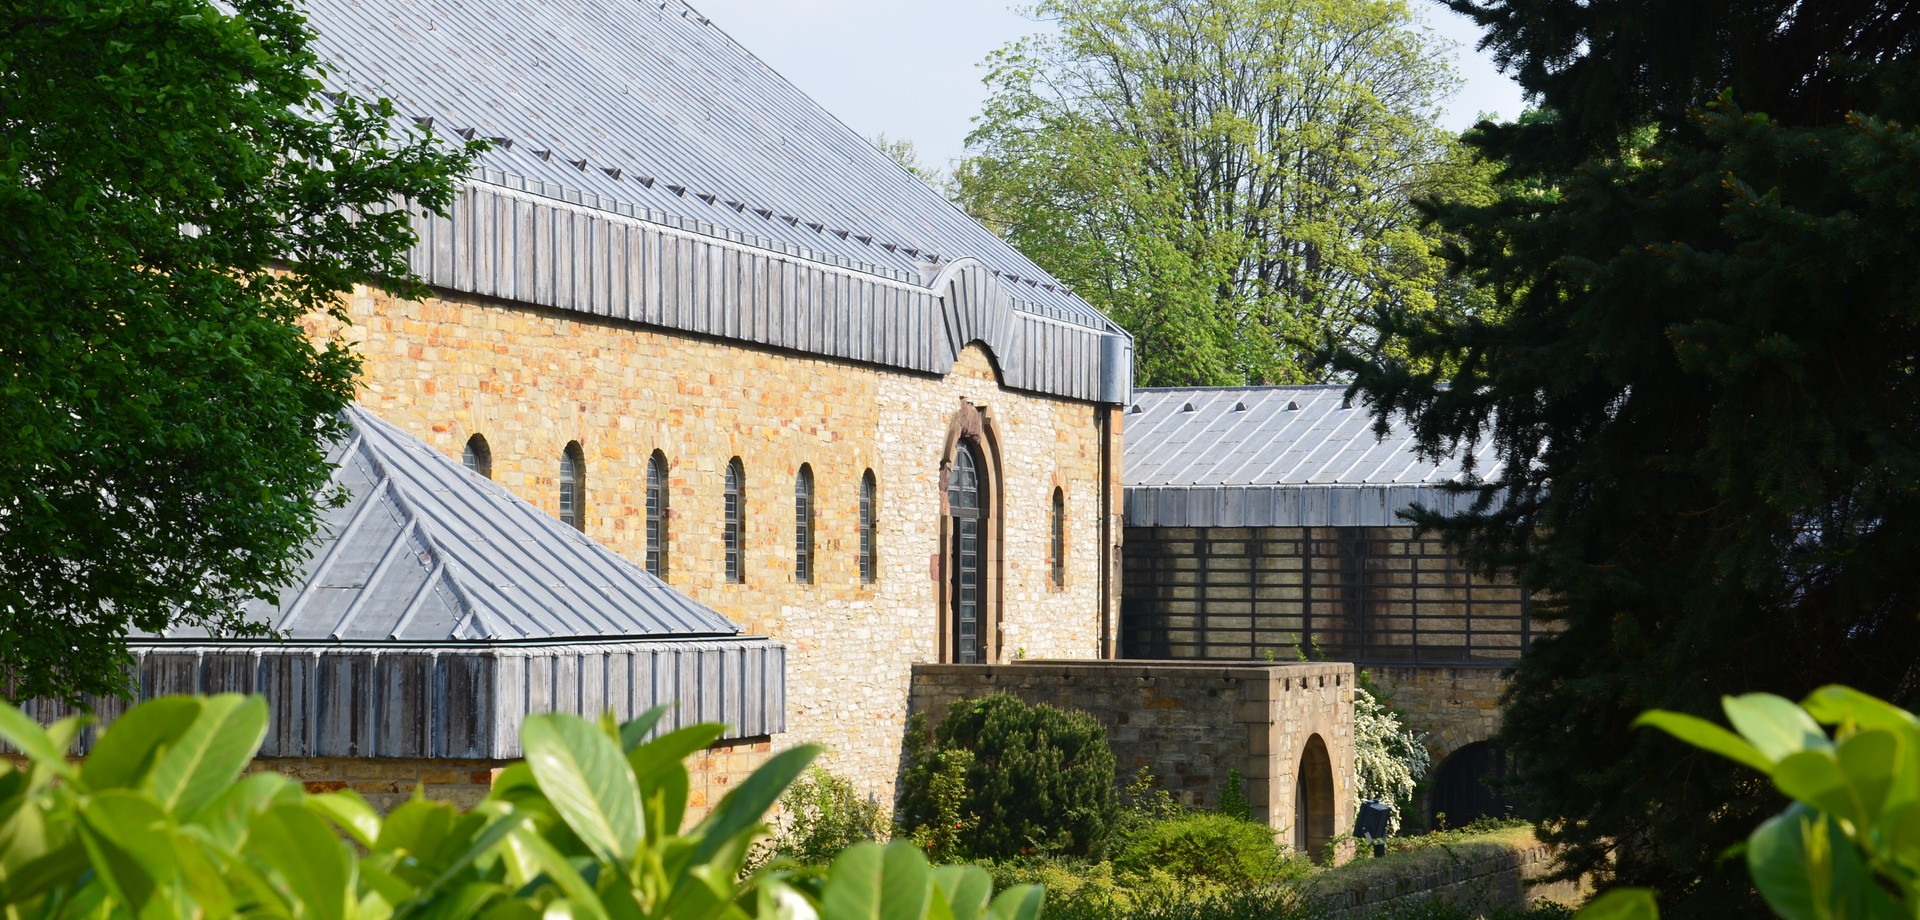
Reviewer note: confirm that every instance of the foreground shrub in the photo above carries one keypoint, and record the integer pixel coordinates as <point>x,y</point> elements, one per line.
<point>158,823</point>
<point>1849,844</point>
<point>1209,847</point>
<point>1040,779</point>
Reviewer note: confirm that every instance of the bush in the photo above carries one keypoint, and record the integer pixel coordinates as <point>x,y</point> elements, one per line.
<point>1388,760</point>
<point>1040,780</point>
<point>823,816</point>
<point>159,822</point>
<point>1216,848</point>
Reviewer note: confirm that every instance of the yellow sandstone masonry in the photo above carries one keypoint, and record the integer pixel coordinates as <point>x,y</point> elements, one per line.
<point>531,380</point>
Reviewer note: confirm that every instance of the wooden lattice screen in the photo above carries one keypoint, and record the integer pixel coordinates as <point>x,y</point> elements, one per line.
<point>1364,594</point>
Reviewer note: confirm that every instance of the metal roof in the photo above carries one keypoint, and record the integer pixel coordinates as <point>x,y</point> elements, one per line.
<point>651,105</point>
<point>428,552</point>
<point>1275,456</point>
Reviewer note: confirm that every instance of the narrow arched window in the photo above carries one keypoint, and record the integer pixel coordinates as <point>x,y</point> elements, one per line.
<point>869,509</point>
<point>478,457</point>
<point>573,486</point>
<point>1059,533</point>
<point>803,525</point>
<point>657,514</point>
<point>735,520</point>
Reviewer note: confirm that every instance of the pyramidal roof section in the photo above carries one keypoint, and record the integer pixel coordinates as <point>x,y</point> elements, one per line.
<point>649,104</point>
<point>427,552</point>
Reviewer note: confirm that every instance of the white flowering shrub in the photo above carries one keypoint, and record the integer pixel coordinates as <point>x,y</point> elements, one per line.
<point>1387,758</point>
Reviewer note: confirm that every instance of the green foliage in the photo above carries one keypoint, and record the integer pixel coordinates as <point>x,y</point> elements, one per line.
<point>1232,852</point>
<point>1036,779</point>
<point>1849,844</point>
<point>158,822</point>
<point>1233,798</point>
<point>1230,181</point>
<point>1698,389</point>
<point>175,198</point>
<point>1388,760</point>
<point>822,815</point>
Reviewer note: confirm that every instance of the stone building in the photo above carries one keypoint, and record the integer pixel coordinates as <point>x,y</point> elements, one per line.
<point>684,309</point>
<point>1262,523</point>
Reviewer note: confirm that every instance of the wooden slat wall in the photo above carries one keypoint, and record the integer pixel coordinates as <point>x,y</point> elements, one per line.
<point>460,704</point>
<point>524,248</point>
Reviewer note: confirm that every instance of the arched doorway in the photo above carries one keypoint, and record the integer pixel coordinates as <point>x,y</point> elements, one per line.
<point>967,504</point>
<point>1313,799</point>
<point>1470,784</point>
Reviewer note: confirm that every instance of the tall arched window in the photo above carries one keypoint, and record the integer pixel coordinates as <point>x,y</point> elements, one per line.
<point>573,486</point>
<point>657,514</point>
<point>967,502</point>
<point>478,457</point>
<point>869,511</point>
<point>735,521</point>
<point>803,525</point>
<point>1058,549</point>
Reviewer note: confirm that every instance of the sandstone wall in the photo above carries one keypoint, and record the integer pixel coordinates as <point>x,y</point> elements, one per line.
<point>1188,724</point>
<point>1454,706</point>
<point>531,380</point>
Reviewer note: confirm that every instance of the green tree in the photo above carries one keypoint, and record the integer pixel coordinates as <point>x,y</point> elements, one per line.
<point>176,197</point>
<point>1230,180</point>
<point>1699,378</point>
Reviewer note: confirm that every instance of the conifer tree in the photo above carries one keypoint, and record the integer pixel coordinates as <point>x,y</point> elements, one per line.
<point>1700,375</point>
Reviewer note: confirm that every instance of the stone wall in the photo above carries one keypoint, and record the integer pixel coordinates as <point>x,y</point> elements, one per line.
<point>1454,706</point>
<point>1188,724</point>
<point>1479,877</point>
<point>531,380</point>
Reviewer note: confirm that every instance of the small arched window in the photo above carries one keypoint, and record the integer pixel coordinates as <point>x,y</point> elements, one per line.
<point>803,525</point>
<point>1059,534</point>
<point>478,457</point>
<point>735,520</point>
<point>869,510</point>
<point>573,486</point>
<point>657,514</point>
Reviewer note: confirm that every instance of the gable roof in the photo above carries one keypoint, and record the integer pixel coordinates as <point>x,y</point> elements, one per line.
<point>645,109</point>
<point>426,552</point>
<point>1276,456</point>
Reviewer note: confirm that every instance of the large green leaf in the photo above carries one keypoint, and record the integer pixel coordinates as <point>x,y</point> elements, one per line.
<point>670,751</point>
<point>306,860</point>
<point>32,740</point>
<point>1814,777</point>
<point>1773,724</point>
<point>553,866</point>
<point>1837,705</point>
<point>635,730</point>
<point>351,812</point>
<point>872,882</point>
<point>1020,902</point>
<point>225,820</point>
<point>746,806</point>
<point>590,784</point>
<point>213,750</point>
<point>966,889</point>
<point>129,748</point>
<point>1806,870</point>
<point>130,844</point>
<point>1872,761</point>
<point>1707,736</point>
<point>1621,904</point>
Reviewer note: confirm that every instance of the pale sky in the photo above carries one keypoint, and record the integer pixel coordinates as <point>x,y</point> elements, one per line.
<point>909,68</point>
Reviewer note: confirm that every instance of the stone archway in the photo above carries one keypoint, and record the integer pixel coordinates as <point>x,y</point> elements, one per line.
<point>1313,799</point>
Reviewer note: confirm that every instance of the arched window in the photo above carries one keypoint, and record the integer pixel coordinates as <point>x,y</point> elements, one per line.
<point>803,525</point>
<point>478,457</point>
<point>657,514</point>
<point>869,509</point>
<point>967,503</point>
<point>1058,549</point>
<point>735,521</point>
<point>573,486</point>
